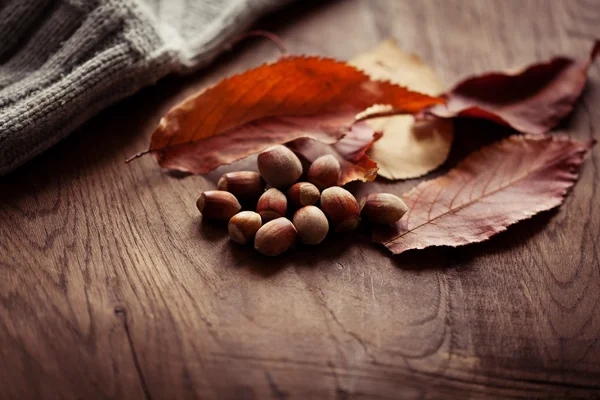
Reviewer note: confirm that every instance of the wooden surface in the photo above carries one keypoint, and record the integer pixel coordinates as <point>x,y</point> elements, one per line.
<point>111,287</point>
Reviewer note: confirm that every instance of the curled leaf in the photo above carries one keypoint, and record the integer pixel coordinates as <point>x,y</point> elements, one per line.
<point>490,190</point>
<point>408,149</point>
<point>350,151</point>
<point>274,103</point>
<point>533,100</point>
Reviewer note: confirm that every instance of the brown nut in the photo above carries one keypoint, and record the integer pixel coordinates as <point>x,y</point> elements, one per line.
<point>272,204</point>
<point>279,166</point>
<point>243,226</point>
<point>341,209</point>
<point>245,185</point>
<point>218,204</point>
<point>303,194</point>
<point>382,208</point>
<point>324,172</point>
<point>275,237</point>
<point>311,224</point>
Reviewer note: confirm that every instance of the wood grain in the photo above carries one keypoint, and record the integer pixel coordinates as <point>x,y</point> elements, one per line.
<point>112,287</point>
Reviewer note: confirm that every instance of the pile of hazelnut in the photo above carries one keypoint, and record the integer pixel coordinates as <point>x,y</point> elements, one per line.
<point>272,232</point>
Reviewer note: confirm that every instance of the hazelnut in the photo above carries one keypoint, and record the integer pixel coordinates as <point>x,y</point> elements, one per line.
<point>303,194</point>
<point>341,209</point>
<point>218,204</point>
<point>243,226</point>
<point>311,224</point>
<point>275,237</point>
<point>324,172</point>
<point>245,185</point>
<point>272,204</point>
<point>382,208</point>
<point>279,166</point>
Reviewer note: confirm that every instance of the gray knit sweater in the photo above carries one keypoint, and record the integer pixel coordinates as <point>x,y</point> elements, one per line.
<point>62,61</point>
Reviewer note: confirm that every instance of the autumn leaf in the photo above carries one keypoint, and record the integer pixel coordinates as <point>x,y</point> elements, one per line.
<point>533,100</point>
<point>408,149</point>
<point>274,103</point>
<point>490,190</point>
<point>350,152</point>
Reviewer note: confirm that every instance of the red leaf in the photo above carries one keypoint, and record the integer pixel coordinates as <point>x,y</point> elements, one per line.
<point>350,152</point>
<point>275,103</point>
<point>531,101</point>
<point>491,189</point>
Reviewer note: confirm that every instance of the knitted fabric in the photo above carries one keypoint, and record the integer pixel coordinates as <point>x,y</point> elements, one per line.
<point>62,61</point>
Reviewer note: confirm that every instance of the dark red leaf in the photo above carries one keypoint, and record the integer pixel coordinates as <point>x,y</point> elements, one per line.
<point>488,191</point>
<point>531,101</point>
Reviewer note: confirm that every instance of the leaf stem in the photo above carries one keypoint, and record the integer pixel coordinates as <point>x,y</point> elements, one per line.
<point>260,33</point>
<point>135,156</point>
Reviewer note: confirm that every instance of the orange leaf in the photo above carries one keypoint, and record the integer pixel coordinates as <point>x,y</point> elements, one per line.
<point>532,101</point>
<point>274,103</point>
<point>491,189</point>
<point>351,152</point>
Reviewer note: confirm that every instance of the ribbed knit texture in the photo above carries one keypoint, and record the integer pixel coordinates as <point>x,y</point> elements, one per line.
<point>63,61</point>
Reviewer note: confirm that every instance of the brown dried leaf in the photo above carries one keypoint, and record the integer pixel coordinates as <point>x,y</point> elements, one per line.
<point>533,100</point>
<point>490,190</point>
<point>274,103</point>
<point>350,152</point>
<point>407,149</point>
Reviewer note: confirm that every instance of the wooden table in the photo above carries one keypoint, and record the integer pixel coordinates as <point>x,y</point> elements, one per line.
<point>111,287</point>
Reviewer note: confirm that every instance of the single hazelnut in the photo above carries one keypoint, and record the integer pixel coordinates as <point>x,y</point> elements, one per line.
<point>243,226</point>
<point>303,194</point>
<point>311,224</point>
<point>218,204</point>
<point>382,208</point>
<point>324,172</point>
<point>245,185</point>
<point>279,166</point>
<point>272,204</point>
<point>341,208</point>
<point>275,237</point>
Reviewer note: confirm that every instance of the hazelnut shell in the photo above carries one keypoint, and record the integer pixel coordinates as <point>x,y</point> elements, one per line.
<point>279,166</point>
<point>382,208</point>
<point>324,172</point>
<point>303,194</point>
<point>311,224</point>
<point>245,185</point>
<point>275,237</point>
<point>218,204</point>
<point>243,226</point>
<point>341,208</point>
<point>272,204</point>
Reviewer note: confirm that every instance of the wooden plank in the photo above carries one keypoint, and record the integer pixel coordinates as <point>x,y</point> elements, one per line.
<point>110,286</point>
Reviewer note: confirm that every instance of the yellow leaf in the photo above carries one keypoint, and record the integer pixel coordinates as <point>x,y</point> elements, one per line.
<point>407,149</point>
